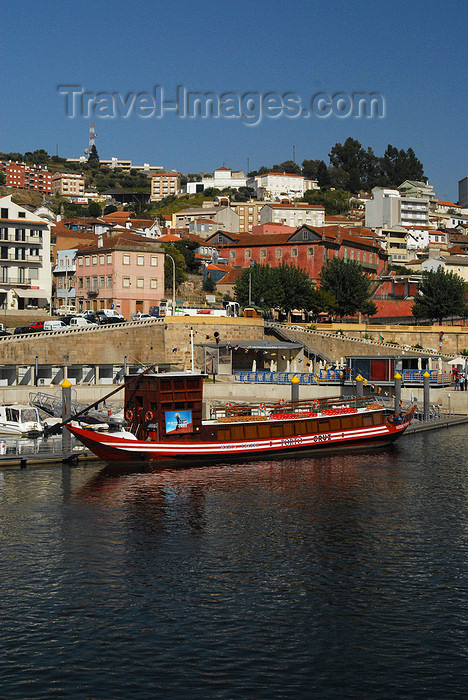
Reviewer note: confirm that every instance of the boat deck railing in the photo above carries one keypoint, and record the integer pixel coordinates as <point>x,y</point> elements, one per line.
<point>326,406</point>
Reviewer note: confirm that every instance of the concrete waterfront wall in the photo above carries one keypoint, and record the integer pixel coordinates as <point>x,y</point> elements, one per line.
<point>454,341</point>
<point>150,341</point>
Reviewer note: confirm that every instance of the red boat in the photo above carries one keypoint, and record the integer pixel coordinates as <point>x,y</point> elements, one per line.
<point>164,413</point>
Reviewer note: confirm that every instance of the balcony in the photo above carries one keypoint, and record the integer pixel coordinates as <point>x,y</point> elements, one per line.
<point>15,281</point>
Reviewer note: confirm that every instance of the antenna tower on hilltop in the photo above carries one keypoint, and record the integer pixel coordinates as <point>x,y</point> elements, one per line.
<point>92,139</point>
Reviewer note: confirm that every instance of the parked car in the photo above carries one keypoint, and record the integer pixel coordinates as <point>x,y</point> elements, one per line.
<point>23,330</point>
<point>66,310</point>
<point>81,322</point>
<point>67,319</point>
<point>4,333</point>
<point>90,316</point>
<point>54,326</point>
<point>37,325</point>
<point>105,319</point>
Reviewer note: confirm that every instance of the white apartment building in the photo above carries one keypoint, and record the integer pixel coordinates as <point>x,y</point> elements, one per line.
<point>69,184</point>
<point>272,186</point>
<point>388,209</point>
<point>222,178</point>
<point>293,214</point>
<point>25,269</point>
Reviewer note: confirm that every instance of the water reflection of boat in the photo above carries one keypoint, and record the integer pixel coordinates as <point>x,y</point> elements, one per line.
<point>155,404</point>
<point>20,419</point>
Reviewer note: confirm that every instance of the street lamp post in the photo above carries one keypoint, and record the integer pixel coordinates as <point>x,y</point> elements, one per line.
<point>173,283</point>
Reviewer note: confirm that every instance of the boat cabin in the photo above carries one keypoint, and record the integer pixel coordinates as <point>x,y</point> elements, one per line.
<point>164,405</point>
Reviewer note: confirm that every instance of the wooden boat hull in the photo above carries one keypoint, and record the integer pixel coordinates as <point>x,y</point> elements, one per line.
<point>112,448</point>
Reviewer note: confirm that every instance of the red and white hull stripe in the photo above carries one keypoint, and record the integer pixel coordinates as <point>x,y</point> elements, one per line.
<point>113,448</point>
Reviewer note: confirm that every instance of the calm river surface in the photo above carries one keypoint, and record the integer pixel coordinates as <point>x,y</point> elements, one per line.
<point>324,577</point>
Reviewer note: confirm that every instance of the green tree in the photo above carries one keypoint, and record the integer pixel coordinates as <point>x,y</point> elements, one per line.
<point>287,166</point>
<point>334,201</point>
<point>323,176</point>
<point>396,166</point>
<point>93,158</point>
<point>353,159</point>
<point>286,287</point>
<point>188,249</point>
<point>440,294</point>
<point>94,209</point>
<point>209,285</point>
<point>349,284</point>
<point>180,267</point>
<point>256,286</point>
<point>2,178</point>
<point>323,301</point>
<point>310,168</point>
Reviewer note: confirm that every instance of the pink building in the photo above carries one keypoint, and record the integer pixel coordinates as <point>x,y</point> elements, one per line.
<point>124,272</point>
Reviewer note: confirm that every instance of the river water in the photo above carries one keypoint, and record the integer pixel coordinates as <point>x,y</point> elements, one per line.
<point>324,577</point>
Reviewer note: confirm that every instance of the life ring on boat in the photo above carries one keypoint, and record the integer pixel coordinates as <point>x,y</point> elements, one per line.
<point>281,402</point>
<point>315,404</point>
<point>149,415</point>
<point>262,408</point>
<point>129,414</point>
<point>228,404</point>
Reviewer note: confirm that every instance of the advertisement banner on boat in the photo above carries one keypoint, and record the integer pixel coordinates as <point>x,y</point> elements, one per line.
<point>178,422</point>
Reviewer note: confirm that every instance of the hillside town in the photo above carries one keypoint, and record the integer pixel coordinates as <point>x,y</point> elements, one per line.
<point>79,245</point>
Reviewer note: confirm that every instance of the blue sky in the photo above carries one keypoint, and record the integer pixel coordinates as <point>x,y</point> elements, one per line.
<point>413,54</point>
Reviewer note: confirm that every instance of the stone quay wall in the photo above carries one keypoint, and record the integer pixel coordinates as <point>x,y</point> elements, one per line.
<point>158,341</point>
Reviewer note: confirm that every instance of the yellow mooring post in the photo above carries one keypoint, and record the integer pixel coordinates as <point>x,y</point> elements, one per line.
<point>66,414</point>
<point>359,386</point>
<point>426,392</point>
<point>398,393</point>
<point>295,388</point>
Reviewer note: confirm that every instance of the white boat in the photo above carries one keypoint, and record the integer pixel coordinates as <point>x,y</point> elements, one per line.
<point>20,419</point>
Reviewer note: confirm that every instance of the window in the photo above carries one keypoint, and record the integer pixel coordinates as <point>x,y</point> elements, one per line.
<point>294,252</point>
<point>102,281</point>
<point>102,259</point>
<point>87,260</point>
<point>126,259</point>
<point>154,260</point>
<point>310,252</point>
<point>109,281</point>
<point>95,283</point>
<point>80,261</point>
<point>140,259</point>
<point>109,259</point>
<point>139,282</point>
<point>305,235</point>
<point>21,215</point>
<point>263,252</point>
<point>232,254</point>
<point>88,283</point>
<point>80,282</point>
<point>153,283</point>
<point>3,234</point>
<point>125,281</point>
<point>279,253</point>
<point>4,213</point>
<point>94,259</point>
<point>247,253</point>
